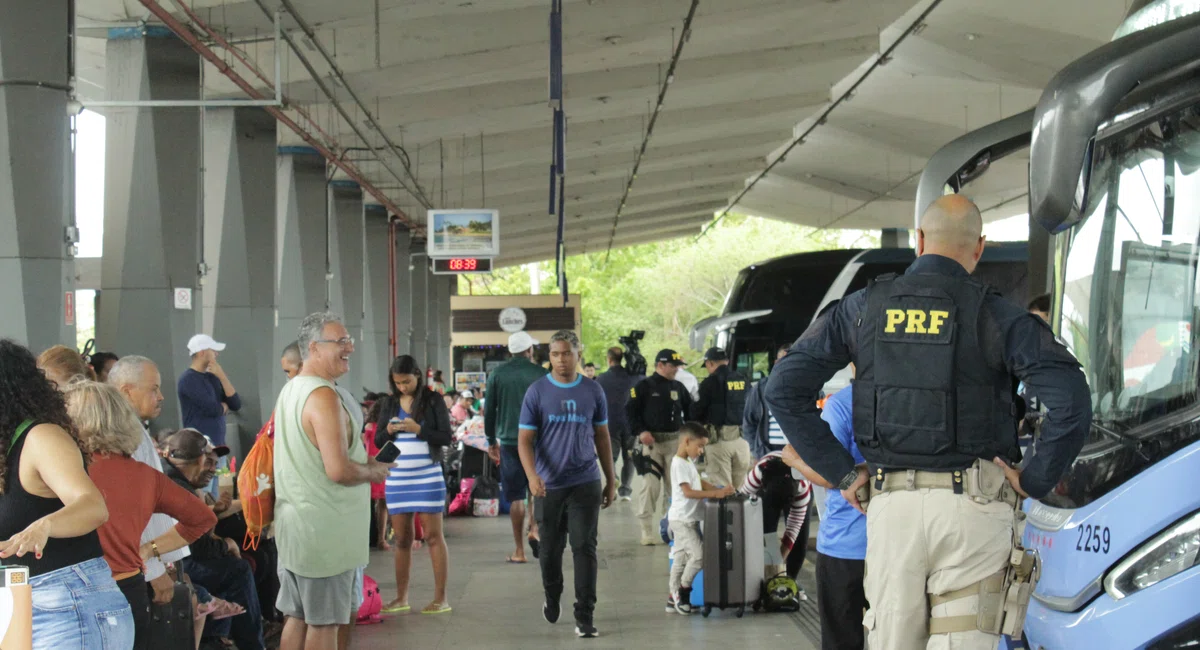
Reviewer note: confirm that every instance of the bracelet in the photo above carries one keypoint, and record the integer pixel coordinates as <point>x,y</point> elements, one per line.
<point>154,547</point>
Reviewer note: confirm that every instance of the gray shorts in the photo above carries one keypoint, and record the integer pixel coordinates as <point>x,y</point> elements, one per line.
<point>320,601</point>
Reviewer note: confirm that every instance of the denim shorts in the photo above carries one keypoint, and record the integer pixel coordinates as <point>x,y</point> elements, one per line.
<point>81,607</point>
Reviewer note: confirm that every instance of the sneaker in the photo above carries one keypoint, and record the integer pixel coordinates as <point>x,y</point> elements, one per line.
<point>551,610</point>
<point>683,602</point>
<point>626,497</point>
<point>671,603</point>
<point>650,540</point>
<point>800,595</point>
<point>585,630</point>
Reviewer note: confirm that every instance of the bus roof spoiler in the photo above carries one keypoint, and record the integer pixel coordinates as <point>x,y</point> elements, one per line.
<point>986,144</point>
<point>699,332</point>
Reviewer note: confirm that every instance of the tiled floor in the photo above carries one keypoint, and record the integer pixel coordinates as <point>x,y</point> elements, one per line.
<point>498,606</point>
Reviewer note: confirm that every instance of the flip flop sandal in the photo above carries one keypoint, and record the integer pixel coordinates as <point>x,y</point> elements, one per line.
<point>226,609</point>
<point>396,609</point>
<point>510,560</point>
<point>437,608</point>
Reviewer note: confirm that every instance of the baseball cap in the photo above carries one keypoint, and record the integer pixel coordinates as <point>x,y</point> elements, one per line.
<point>202,342</point>
<point>520,342</point>
<point>190,444</point>
<point>467,394</point>
<point>669,356</point>
<point>716,354</point>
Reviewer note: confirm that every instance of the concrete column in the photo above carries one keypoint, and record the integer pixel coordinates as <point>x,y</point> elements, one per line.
<point>446,287</point>
<point>35,178</point>
<point>300,233</point>
<point>894,238</point>
<point>404,293</point>
<point>419,281</point>
<point>346,288</point>
<point>239,245</point>
<point>1041,259</point>
<point>374,353</point>
<point>151,206</point>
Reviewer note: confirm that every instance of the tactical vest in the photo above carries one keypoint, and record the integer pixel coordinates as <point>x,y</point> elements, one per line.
<point>929,394</point>
<point>661,411</point>
<point>729,402</point>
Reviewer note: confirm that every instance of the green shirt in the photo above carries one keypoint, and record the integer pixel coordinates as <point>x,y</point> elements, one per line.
<point>314,517</point>
<point>505,393</point>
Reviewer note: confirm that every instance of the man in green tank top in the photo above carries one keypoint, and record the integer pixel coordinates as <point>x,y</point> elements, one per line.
<point>321,493</point>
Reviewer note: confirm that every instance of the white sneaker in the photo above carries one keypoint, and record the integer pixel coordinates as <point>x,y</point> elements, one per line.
<point>625,498</point>
<point>800,595</point>
<point>671,603</point>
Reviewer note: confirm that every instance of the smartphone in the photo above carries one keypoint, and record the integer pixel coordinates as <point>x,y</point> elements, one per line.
<point>388,453</point>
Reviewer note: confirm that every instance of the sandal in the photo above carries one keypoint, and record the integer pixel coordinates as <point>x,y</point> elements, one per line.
<point>226,609</point>
<point>437,608</point>
<point>396,608</point>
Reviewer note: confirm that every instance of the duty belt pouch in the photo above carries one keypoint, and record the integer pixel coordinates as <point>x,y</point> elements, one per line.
<point>985,482</point>
<point>1021,578</point>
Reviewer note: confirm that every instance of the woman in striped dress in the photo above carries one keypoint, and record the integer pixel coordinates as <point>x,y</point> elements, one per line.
<point>415,418</point>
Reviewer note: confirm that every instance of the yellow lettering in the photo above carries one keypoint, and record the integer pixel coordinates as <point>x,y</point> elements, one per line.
<point>633,392</point>
<point>894,318</point>
<point>916,322</point>
<point>936,318</point>
<point>735,385</point>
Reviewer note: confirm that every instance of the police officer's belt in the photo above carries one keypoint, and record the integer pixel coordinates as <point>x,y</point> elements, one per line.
<point>982,482</point>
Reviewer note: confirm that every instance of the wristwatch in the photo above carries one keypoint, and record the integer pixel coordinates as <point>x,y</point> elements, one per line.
<point>848,480</point>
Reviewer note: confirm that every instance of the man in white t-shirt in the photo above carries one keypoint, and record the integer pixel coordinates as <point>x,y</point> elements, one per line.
<point>687,492</point>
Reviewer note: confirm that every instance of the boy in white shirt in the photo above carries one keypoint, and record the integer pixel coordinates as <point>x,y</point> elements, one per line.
<point>686,512</point>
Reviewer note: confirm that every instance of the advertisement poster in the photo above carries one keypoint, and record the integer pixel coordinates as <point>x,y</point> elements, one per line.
<point>463,233</point>
<point>469,380</point>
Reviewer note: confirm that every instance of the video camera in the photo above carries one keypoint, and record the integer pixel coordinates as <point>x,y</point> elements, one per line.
<point>635,363</point>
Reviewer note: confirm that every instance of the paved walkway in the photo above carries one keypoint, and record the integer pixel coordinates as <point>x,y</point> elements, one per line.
<point>498,606</point>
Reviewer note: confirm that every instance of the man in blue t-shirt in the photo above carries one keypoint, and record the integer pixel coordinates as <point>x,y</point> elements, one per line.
<point>841,540</point>
<point>563,432</point>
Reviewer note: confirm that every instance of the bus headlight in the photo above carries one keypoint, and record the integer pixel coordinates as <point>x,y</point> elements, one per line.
<point>1173,551</point>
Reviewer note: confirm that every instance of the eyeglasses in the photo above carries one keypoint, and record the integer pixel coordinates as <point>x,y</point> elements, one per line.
<point>345,341</point>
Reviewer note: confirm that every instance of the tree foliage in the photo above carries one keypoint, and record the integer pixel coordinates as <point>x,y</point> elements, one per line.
<point>664,287</point>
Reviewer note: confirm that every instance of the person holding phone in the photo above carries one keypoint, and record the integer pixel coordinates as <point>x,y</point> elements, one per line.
<point>414,418</point>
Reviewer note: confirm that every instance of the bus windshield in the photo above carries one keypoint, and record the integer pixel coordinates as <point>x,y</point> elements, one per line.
<point>1129,281</point>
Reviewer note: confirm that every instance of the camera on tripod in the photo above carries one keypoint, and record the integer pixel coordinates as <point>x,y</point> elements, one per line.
<point>635,363</point>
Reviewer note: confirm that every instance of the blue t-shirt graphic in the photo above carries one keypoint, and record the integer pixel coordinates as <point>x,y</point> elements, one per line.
<point>843,532</point>
<point>564,417</point>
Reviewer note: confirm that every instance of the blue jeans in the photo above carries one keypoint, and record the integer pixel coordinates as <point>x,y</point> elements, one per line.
<point>80,607</point>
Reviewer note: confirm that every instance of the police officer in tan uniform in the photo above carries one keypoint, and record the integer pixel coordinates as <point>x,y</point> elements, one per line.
<point>935,415</point>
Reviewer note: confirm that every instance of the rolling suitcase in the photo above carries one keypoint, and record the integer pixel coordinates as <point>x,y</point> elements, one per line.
<point>171,625</point>
<point>733,553</point>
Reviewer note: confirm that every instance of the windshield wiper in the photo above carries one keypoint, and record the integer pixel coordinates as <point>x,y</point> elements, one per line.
<point>1125,440</point>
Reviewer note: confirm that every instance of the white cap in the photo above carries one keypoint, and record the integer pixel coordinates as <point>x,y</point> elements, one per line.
<point>467,394</point>
<point>202,342</point>
<point>520,342</point>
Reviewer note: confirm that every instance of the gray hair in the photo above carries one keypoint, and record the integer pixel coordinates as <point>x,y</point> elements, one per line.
<point>570,337</point>
<point>128,370</point>
<point>311,328</point>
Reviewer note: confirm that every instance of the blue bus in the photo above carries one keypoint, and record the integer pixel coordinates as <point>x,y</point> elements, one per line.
<point>1114,167</point>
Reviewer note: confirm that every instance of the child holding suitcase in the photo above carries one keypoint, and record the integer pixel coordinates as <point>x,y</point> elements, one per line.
<point>685,514</point>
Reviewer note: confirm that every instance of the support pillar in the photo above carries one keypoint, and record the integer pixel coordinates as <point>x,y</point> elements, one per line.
<point>151,206</point>
<point>419,281</point>
<point>404,293</point>
<point>346,260</point>
<point>374,355</point>
<point>447,285</point>
<point>1041,259</point>
<point>239,241</point>
<point>35,174</point>
<point>300,259</point>
<point>894,238</point>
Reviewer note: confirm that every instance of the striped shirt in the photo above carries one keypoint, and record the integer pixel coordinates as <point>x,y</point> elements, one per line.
<point>775,437</point>
<point>415,483</point>
<point>772,465</point>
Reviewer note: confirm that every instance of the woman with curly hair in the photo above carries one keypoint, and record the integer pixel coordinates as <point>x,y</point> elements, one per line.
<point>49,513</point>
<point>110,431</point>
<point>62,364</point>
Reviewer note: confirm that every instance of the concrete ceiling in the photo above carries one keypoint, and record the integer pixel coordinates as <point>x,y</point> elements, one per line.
<point>462,86</point>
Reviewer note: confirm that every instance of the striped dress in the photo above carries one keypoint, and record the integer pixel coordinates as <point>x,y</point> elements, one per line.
<point>415,483</point>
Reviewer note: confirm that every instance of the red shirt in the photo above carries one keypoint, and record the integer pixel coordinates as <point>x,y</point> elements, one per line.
<point>133,492</point>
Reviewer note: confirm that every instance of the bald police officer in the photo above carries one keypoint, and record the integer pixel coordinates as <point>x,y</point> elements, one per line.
<point>935,417</point>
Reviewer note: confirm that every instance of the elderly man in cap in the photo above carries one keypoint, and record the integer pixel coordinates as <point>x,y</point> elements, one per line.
<point>656,410</point>
<point>215,563</point>
<point>505,393</point>
<point>720,407</point>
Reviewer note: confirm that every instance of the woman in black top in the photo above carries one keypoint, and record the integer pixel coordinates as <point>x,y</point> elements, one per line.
<point>49,513</point>
<point>415,418</point>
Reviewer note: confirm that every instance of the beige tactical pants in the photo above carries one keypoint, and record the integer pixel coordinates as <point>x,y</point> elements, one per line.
<point>650,494</point>
<point>930,542</point>
<point>728,462</point>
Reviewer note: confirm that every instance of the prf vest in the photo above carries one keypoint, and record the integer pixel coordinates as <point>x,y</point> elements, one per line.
<point>729,403</point>
<point>929,394</point>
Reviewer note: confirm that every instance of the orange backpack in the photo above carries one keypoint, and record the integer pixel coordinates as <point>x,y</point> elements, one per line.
<point>256,485</point>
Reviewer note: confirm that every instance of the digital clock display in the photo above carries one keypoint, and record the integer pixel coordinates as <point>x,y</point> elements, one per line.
<point>463,265</point>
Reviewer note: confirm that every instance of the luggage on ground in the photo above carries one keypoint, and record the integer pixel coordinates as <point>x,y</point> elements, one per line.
<point>485,498</point>
<point>171,625</point>
<point>733,568</point>
<point>372,604</point>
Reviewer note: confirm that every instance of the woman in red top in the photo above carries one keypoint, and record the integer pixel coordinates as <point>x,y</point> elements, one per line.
<point>110,431</point>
